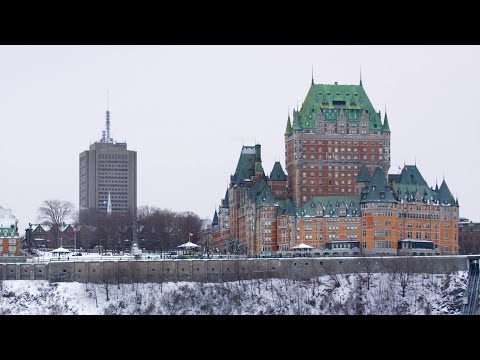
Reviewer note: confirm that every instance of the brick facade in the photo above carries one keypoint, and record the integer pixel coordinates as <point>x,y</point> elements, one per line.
<point>337,197</point>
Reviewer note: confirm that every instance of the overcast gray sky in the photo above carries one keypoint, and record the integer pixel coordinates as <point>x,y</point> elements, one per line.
<point>187,110</point>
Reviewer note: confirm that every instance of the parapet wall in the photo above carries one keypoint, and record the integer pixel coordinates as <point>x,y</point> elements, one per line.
<point>217,270</point>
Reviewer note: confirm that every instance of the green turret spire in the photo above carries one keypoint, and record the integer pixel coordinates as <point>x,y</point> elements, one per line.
<point>297,125</point>
<point>385,127</point>
<point>288,131</point>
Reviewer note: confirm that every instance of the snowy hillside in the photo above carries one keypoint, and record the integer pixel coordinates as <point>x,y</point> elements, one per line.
<point>340,294</point>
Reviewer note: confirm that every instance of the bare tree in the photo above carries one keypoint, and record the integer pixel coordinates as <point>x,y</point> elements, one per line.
<point>402,272</point>
<point>164,229</point>
<point>367,264</point>
<point>54,213</point>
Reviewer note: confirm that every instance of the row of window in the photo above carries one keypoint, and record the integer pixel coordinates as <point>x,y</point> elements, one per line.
<point>304,149</point>
<point>343,142</point>
<point>113,156</point>
<point>382,244</point>
<point>382,232</point>
<point>342,157</point>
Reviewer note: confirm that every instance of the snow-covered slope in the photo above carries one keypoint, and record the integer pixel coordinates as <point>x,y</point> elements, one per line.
<point>340,294</point>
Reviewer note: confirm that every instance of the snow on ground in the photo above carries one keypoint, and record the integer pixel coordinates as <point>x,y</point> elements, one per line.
<point>331,294</point>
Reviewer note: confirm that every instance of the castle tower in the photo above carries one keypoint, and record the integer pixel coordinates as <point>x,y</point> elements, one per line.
<point>335,131</point>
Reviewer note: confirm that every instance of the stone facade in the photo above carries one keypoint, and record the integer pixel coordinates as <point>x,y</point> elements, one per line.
<point>114,272</point>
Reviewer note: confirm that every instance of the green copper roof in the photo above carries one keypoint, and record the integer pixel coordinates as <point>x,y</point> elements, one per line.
<point>410,175</point>
<point>225,201</point>
<point>8,232</point>
<point>410,184</point>
<point>277,173</point>
<point>288,130</point>
<point>286,207</point>
<point>266,198</point>
<point>378,189</point>
<point>257,188</point>
<point>330,206</point>
<point>246,165</point>
<point>332,99</point>
<point>215,219</point>
<point>239,178</point>
<point>385,127</point>
<point>296,121</point>
<point>445,197</point>
<point>259,167</point>
<point>363,175</point>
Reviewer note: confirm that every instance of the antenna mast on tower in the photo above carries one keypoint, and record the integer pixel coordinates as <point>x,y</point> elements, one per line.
<point>107,122</point>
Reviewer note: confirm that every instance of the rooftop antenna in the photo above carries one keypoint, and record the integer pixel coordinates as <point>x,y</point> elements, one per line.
<point>107,122</point>
<point>312,74</point>
<point>361,75</point>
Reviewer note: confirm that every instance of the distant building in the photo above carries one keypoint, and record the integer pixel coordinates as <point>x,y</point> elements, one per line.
<point>469,237</point>
<point>337,196</point>
<point>108,168</point>
<point>41,236</point>
<point>9,239</point>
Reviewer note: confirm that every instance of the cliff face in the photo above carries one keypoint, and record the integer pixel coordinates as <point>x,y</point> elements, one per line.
<point>332,294</point>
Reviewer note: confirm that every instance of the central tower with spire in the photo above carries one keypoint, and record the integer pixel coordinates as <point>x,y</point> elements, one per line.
<point>108,174</point>
<point>335,131</point>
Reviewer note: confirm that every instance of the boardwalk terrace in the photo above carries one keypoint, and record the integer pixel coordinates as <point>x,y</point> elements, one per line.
<point>337,195</point>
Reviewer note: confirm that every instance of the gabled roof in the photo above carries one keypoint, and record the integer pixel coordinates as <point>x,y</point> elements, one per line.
<point>45,228</point>
<point>363,175</point>
<point>257,188</point>
<point>409,183</point>
<point>215,219</point>
<point>445,197</point>
<point>378,189</point>
<point>265,198</point>
<point>259,167</point>
<point>277,173</point>
<point>410,175</point>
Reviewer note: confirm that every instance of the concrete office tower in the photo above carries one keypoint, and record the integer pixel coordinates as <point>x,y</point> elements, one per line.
<point>108,168</point>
